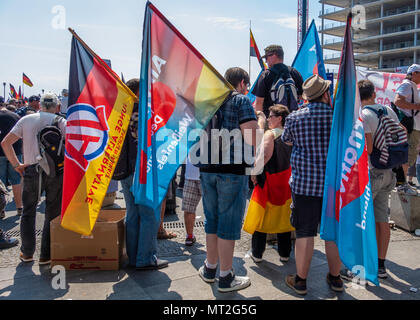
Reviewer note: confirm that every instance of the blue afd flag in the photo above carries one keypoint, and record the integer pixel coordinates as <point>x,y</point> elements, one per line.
<point>308,60</point>
<point>347,211</point>
<point>172,109</point>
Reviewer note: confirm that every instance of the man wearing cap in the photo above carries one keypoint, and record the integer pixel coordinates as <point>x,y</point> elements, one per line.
<point>307,130</point>
<point>274,56</point>
<point>33,107</point>
<point>27,129</point>
<point>408,101</point>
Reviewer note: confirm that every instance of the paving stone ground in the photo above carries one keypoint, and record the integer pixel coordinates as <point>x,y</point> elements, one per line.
<point>181,281</point>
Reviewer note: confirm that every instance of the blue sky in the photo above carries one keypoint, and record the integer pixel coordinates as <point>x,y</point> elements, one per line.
<point>113,29</point>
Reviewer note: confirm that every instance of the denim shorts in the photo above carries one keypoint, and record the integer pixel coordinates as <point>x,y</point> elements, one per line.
<point>224,202</point>
<point>8,175</point>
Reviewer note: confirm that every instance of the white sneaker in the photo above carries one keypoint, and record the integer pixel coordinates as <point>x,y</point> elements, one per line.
<point>407,190</point>
<point>256,260</point>
<point>233,283</point>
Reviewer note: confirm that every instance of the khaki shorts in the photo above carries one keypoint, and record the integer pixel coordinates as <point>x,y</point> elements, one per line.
<point>382,182</point>
<point>413,143</point>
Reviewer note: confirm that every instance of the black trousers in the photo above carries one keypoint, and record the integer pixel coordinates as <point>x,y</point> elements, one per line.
<point>284,244</point>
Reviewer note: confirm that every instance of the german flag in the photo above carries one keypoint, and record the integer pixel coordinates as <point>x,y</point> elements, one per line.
<point>27,81</point>
<point>269,207</point>
<point>13,92</point>
<point>254,52</point>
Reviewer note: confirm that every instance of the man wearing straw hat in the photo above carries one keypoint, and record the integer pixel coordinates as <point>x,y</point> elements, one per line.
<point>308,131</point>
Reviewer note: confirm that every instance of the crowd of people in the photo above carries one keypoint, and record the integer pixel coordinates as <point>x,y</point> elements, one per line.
<point>288,190</point>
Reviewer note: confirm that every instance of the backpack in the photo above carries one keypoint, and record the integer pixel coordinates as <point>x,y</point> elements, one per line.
<point>390,147</point>
<point>51,149</point>
<point>21,112</point>
<point>216,123</point>
<point>406,121</point>
<point>284,91</point>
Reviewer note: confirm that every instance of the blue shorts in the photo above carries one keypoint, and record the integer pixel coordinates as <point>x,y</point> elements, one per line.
<point>8,175</point>
<point>224,202</point>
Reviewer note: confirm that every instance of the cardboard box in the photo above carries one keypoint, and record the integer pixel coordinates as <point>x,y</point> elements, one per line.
<point>102,250</point>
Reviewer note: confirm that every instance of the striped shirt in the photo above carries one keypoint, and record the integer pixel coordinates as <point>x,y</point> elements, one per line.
<point>308,129</point>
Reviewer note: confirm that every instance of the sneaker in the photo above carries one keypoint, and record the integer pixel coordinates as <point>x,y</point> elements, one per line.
<point>347,275</point>
<point>382,273</point>
<point>190,241</point>
<point>6,242</point>
<point>44,261</point>
<point>412,184</point>
<point>208,275</point>
<point>284,259</point>
<point>25,259</point>
<point>19,211</point>
<point>299,287</point>
<point>158,264</point>
<point>2,214</point>
<point>407,190</point>
<point>256,260</point>
<point>233,283</point>
<point>336,285</point>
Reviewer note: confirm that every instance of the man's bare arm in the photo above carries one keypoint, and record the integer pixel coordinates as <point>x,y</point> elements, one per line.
<point>402,103</point>
<point>7,145</point>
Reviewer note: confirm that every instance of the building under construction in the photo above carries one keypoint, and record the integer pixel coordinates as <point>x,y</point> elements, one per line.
<point>386,38</point>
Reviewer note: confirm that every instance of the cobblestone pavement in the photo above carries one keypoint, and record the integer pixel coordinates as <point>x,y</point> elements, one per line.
<point>180,280</point>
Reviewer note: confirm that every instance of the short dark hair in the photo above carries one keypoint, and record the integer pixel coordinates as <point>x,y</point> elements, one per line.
<point>366,89</point>
<point>280,110</point>
<point>134,85</point>
<point>235,75</point>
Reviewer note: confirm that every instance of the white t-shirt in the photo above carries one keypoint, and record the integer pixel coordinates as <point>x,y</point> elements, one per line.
<point>191,172</point>
<point>406,89</point>
<point>27,129</point>
<point>371,120</point>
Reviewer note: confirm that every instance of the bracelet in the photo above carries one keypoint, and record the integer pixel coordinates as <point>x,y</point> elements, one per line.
<point>14,167</point>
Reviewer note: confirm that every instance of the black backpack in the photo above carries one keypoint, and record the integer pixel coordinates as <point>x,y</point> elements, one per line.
<point>216,123</point>
<point>284,91</point>
<point>51,149</point>
<point>406,121</point>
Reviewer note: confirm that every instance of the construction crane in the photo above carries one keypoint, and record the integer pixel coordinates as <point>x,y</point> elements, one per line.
<point>302,21</point>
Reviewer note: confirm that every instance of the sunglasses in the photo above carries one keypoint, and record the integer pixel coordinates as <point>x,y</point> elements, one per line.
<point>272,115</point>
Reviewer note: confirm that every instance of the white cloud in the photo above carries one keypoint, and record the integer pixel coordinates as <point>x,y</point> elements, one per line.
<point>289,22</point>
<point>228,22</point>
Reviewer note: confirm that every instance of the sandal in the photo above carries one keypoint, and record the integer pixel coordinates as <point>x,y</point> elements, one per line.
<point>163,235</point>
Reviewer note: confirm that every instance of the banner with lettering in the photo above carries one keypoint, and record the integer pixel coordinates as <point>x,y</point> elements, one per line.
<point>347,210</point>
<point>179,93</point>
<point>385,84</point>
<point>99,112</point>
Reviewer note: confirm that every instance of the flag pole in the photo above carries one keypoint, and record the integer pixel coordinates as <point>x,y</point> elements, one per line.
<point>113,74</point>
<point>23,90</point>
<point>249,58</point>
